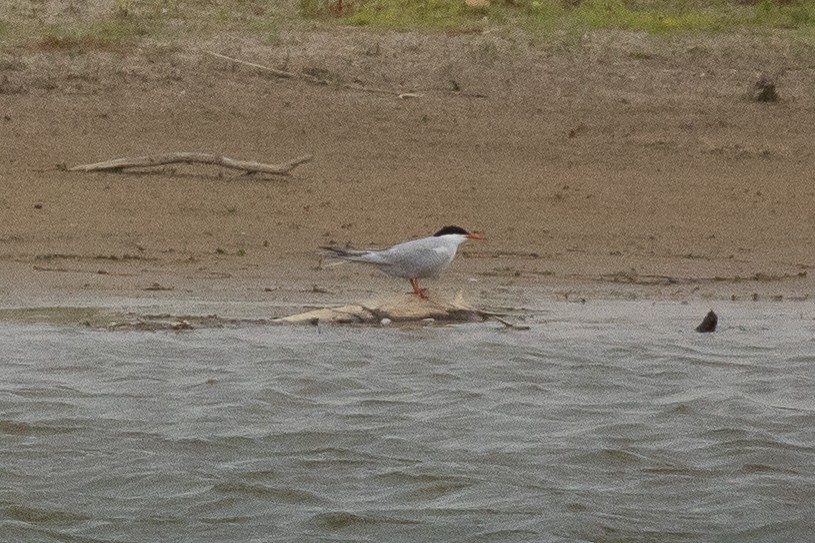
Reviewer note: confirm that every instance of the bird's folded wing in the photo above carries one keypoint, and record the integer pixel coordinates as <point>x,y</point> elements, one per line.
<point>418,262</point>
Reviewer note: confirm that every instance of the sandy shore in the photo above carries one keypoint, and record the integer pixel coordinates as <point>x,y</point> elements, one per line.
<point>626,167</point>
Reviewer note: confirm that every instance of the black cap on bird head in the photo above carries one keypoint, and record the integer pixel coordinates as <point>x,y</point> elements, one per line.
<point>451,230</point>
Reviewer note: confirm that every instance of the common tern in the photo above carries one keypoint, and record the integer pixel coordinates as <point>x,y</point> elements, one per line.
<point>414,259</point>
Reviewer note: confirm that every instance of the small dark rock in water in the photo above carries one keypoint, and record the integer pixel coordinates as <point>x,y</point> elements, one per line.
<point>708,323</point>
<point>765,90</point>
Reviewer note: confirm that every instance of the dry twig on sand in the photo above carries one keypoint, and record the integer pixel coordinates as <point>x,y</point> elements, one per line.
<point>314,79</point>
<point>273,71</point>
<point>119,164</point>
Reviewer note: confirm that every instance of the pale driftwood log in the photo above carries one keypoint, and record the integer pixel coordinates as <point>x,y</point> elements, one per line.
<point>400,309</point>
<point>119,164</point>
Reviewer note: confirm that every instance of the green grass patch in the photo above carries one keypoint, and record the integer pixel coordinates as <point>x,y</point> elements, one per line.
<point>653,16</point>
<point>397,14</point>
<point>404,14</point>
<point>268,27</point>
<point>678,16</point>
<point>600,14</point>
<point>119,24</point>
<point>312,9</point>
<point>124,23</point>
<point>95,35</point>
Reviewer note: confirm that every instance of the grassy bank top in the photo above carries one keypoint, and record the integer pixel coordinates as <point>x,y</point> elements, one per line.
<point>99,24</point>
<point>582,15</point>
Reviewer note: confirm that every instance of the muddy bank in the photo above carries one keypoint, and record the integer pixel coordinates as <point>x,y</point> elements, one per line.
<point>623,167</point>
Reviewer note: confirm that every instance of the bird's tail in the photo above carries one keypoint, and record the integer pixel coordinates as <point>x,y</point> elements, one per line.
<point>349,254</point>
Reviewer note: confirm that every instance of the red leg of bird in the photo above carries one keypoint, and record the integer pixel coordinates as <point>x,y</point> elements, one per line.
<point>420,292</point>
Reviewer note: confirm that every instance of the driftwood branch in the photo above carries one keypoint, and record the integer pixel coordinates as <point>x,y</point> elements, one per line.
<point>273,71</point>
<point>120,164</point>
<point>314,79</point>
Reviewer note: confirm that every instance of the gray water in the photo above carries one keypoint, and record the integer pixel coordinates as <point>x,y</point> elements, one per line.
<point>603,422</point>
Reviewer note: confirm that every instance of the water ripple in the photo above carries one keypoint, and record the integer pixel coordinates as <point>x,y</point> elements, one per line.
<point>609,423</point>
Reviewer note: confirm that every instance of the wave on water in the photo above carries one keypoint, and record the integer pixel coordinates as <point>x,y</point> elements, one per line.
<point>606,425</point>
